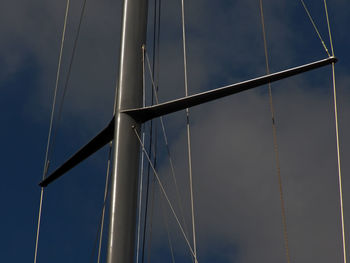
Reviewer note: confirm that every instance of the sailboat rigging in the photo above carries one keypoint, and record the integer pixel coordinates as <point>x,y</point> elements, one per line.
<point>130,115</point>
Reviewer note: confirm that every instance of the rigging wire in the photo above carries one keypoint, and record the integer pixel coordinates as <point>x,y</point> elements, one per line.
<point>99,233</point>
<point>188,131</point>
<point>154,76</point>
<point>156,39</point>
<point>105,200</point>
<point>140,202</point>
<point>142,161</point>
<point>163,191</point>
<point>337,138</point>
<point>153,190</point>
<point>315,27</point>
<point>50,143</point>
<point>169,156</point>
<point>165,218</point>
<point>146,210</point>
<point>75,44</point>
<point>329,27</point>
<point>95,242</point>
<point>165,137</point>
<point>46,162</point>
<point>275,144</point>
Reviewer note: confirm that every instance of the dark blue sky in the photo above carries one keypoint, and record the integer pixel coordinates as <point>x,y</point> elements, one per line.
<point>237,209</point>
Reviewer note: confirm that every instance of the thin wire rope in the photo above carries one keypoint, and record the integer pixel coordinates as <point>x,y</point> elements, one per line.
<point>104,201</point>
<point>46,162</point>
<point>329,27</point>
<point>157,50</point>
<point>75,44</point>
<point>142,161</point>
<point>155,47</point>
<point>315,27</point>
<point>95,242</point>
<point>140,203</point>
<point>154,75</point>
<point>153,190</point>
<point>162,123</point>
<point>153,155</point>
<point>188,131</point>
<point>178,196</point>
<point>147,185</point>
<point>146,206</point>
<point>165,219</point>
<point>339,165</point>
<point>38,225</point>
<point>275,144</point>
<point>164,192</point>
<point>337,139</point>
<point>99,232</point>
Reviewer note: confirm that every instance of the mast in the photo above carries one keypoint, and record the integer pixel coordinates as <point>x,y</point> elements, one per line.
<point>129,114</point>
<point>124,181</point>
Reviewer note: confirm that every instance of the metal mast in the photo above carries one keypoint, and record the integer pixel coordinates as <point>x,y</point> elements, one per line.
<point>129,113</point>
<point>124,181</point>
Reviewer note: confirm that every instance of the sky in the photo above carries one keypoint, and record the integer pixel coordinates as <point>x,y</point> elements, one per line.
<point>236,196</point>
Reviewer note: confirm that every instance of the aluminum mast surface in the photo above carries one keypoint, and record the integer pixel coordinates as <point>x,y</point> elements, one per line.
<point>124,181</point>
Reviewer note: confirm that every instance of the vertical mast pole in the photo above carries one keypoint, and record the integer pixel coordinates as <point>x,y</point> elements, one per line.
<point>123,202</point>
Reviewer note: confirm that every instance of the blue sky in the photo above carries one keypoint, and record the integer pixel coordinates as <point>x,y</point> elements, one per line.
<point>235,184</point>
